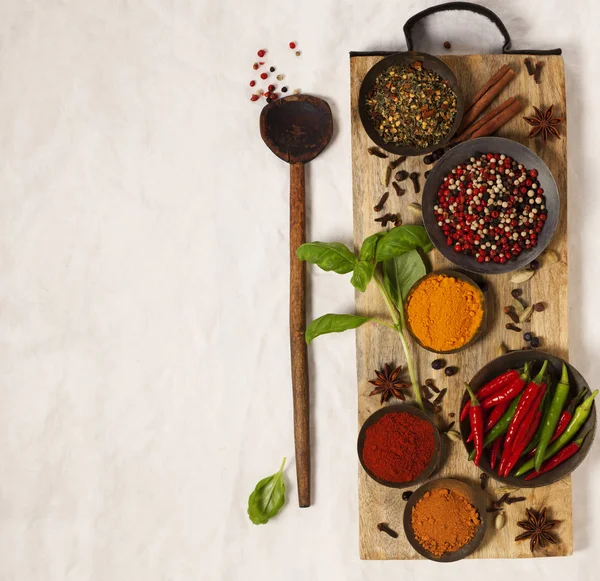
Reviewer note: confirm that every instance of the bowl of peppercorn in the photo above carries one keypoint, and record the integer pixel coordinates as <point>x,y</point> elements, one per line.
<point>490,205</point>
<point>563,418</point>
<point>399,446</point>
<point>410,103</point>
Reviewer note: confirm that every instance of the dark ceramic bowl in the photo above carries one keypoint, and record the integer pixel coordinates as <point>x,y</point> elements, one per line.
<point>516,360</point>
<point>407,58</point>
<point>474,496</point>
<point>409,409</point>
<point>459,276</point>
<point>462,153</point>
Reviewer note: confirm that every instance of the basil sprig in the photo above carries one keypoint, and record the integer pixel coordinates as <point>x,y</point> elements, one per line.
<point>267,498</point>
<point>390,259</point>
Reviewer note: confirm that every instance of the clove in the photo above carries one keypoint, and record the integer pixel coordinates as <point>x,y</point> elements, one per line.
<point>377,152</point>
<point>483,477</point>
<point>530,67</point>
<point>538,72</point>
<point>387,176</point>
<point>508,310</point>
<point>513,499</point>
<point>512,327</point>
<point>394,164</point>
<point>399,191</point>
<point>431,385</point>
<point>385,219</point>
<point>414,176</point>
<point>381,202</point>
<point>440,397</point>
<point>401,175</point>
<point>384,528</point>
<point>447,428</point>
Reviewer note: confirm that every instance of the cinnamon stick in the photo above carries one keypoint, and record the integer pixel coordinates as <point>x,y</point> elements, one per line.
<point>466,134</point>
<point>485,99</point>
<point>495,78</point>
<point>498,121</point>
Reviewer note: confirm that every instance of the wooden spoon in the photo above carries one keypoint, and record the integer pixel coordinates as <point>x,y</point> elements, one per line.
<point>296,129</point>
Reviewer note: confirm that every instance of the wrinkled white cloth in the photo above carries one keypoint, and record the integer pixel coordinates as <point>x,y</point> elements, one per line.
<point>145,383</point>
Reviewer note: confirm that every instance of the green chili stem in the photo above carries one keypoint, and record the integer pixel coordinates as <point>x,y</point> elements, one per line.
<point>398,319</point>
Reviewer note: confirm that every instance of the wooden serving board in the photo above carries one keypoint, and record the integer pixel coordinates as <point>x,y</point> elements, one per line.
<point>376,345</point>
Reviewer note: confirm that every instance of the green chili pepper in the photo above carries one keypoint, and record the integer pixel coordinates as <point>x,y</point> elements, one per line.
<point>579,418</point>
<point>549,422</point>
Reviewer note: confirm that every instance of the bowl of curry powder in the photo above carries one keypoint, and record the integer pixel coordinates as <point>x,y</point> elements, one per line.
<point>445,311</point>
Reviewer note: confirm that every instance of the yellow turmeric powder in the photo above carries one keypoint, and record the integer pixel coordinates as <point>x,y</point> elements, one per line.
<point>444,312</point>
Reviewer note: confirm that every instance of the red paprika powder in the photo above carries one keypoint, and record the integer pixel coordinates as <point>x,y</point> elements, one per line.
<point>398,447</point>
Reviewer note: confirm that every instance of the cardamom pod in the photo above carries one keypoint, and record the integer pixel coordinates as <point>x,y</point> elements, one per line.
<point>505,489</point>
<point>518,306</point>
<point>500,520</point>
<point>549,257</point>
<point>415,210</point>
<point>526,315</point>
<point>521,276</point>
<point>453,435</point>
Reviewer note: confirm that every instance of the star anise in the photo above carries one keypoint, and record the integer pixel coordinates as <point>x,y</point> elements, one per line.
<point>537,529</point>
<point>544,123</point>
<point>389,383</point>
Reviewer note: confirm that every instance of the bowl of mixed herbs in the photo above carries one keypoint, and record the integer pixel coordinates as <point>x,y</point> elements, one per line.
<point>410,103</point>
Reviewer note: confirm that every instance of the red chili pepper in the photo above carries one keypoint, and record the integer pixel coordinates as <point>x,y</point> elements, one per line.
<point>476,418</point>
<point>490,388</point>
<point>495,451</point>
<point>493,418</point>
<point>507,393</point>
<point>526,431</point>
<point>563,455</point>
<point>527,401</point>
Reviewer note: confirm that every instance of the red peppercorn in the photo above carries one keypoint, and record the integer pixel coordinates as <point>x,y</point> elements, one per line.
<point>263,76</point>
<point>252,83</point>
<point>292,45</point>
<point>254,98</point>
<point>255,66</point>
<point>261,52</point>
<point>271,87</point>
<point>274,96</point>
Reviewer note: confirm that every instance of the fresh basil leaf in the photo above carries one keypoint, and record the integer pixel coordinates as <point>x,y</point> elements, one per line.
<point>402,239</point>
<point>363,273</point>
<point>328,256</point>
<point>369,245</point>
<point>331,323</point>
<point>400,273</point>
<point>267,498</point>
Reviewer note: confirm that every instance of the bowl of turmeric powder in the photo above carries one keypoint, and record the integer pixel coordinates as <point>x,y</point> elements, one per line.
<point>445,311</point>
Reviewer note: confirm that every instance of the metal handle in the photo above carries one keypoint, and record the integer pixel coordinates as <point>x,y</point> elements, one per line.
<point>477,9</point>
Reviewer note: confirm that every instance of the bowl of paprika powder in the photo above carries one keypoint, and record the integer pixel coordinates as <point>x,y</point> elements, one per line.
<point>399,446</point>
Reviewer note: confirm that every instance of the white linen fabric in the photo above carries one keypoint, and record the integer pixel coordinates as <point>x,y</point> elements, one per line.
<point>145,383</point>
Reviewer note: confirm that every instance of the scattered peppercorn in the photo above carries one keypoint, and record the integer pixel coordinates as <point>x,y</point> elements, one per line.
<point>284,89</point>
<point>534,265</point>
<point>255,66</point>
<point>516,293</point>
<point>274,96</point>
<point>451,414</point>
<point>261,53</point>
<point>527,336</point>
<point>447,45</point>
<point>254,98</point>
<point>535,342</point>
<point>280,77</point>
<point>269,99</point>
<point>263,76</point>
<point>539,307</point>
<point>296,91</point>
<point>292,45</point>
<point>437,154</point>
<point>438,364</point>
<point>401,175</point>
<point>298,53</point>
<point>272,69</point>
<point>271,87</point>
<point>450,371</point>
<point>513,327</point>
<point>406,494</point>
<point>428,160</point>
<point>252,83</point>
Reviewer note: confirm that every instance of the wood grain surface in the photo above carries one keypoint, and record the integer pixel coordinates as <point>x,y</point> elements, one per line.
<point>377,345</point>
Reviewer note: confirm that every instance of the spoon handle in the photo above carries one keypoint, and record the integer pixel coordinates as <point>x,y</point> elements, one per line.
<point>297,328</point>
